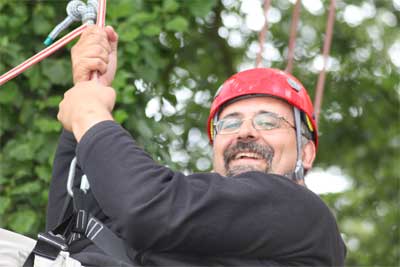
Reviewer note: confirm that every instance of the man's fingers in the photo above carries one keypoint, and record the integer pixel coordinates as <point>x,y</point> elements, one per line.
<point>89,65</point>
<point>111,34</point>
<point>95,51</point>
<point>95,41</point>
<point>94,35</point>
<point>93,30</point>
<point>85,67</point>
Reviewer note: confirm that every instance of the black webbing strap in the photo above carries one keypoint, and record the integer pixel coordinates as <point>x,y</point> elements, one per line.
<point>80,225</point>
<point>90,227</point>
<point>48,246</point>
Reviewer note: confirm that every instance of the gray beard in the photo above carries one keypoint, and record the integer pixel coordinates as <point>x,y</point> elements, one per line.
<point>266,153</point>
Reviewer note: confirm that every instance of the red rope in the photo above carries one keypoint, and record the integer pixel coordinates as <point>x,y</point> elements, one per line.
<point>292,38</point>
<point>327,45</point>
<point>41,55</point>
<point>101,13</point>
<point>101,20</point>
<point>261,35</point>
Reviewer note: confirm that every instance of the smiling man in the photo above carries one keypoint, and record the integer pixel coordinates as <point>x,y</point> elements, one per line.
<point>252,210</point>
<point>256,129</point>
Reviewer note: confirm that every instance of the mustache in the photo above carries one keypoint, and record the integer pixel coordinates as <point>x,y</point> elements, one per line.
<point>265,151</point>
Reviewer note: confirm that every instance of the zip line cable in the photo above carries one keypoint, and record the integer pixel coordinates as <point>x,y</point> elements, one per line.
<point>262,34</point>
<point>319,91</point>
<point>292,38</point>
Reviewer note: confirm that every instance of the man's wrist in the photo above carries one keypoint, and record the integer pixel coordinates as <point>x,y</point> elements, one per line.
<point>88,120</point>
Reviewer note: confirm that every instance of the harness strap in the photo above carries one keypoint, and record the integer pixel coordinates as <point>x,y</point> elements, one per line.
<point>88,226</point>
<point>81,225</point>
<point>48,246</point>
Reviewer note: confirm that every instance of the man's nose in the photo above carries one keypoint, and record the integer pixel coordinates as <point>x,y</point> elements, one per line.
<point>247,131</point>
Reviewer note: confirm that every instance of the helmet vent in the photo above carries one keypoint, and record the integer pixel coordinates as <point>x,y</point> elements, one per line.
<point>294,84</point>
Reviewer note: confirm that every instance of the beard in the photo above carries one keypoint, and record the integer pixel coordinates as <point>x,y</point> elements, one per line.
<point>265,152</point>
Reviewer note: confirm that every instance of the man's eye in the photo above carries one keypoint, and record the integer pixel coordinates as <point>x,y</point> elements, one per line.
<point>231,124</point>
<point>266,123</point>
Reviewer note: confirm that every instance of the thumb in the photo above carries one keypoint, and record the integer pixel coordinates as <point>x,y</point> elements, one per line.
<point>112,37</point>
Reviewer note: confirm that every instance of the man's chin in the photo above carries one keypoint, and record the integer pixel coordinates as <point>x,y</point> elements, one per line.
<point>238,169</point>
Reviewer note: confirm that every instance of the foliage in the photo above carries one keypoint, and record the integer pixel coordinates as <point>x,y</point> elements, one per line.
<point>172,58</point>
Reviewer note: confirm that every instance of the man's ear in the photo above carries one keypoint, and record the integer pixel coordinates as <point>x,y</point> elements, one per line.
<point>308,155</point>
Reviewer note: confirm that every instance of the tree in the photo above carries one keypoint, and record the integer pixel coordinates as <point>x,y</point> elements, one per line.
<point>173,55</point>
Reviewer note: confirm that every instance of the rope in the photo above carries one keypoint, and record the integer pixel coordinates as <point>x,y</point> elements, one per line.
<point>292,38</point>
<point>327,45</point>
<point>41,55</point>
<point>76,11</point>
<point>101,7</point>
<point>261,36</point>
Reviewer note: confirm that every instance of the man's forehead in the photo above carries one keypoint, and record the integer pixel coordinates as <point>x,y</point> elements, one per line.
<point>256,104</point>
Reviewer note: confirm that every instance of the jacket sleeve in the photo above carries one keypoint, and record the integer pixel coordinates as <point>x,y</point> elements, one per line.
<point>251,215</point>
<point>58,185</point>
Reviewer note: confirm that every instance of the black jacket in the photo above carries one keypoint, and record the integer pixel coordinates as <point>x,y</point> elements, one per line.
<point>252,219</point>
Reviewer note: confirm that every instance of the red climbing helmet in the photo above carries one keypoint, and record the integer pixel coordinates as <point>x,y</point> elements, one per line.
<point>264,81</point>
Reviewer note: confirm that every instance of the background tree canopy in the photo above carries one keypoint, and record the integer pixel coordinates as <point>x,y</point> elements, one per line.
<point>173,55</point>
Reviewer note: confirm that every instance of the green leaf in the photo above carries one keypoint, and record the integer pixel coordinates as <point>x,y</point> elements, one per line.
<point>201,8</point>
<point>128,33</point>
<point>47,125</point>
<point>178,24</point>
<point>27,188</point>
<point>56,71</point>
<point>141,17</point>
<point>41,26</point>
<point>50,102</point>
<point>152,30</point>
<point>121,8</point>
<point>22,151</point>
<point>23,221</point>
<point>170,6</point>
<point>43,172</point>
<point>27,112</point>
<point>120,115</point>
<point>10,94</point>
<point>34,76</point>
<point>4,204</point>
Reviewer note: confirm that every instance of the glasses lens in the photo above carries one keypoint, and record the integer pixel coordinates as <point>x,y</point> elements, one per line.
<point>266,121</point>
<point>228,125</point>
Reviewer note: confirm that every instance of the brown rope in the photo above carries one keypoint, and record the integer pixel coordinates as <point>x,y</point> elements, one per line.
<point>292,38</point>
<point>261,35</point>
<point>327,45</point>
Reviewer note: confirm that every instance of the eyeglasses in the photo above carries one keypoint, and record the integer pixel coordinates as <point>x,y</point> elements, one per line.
<point>261,121</point>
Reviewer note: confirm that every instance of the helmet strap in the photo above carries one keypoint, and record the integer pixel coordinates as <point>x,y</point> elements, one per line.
<point>298,174</point>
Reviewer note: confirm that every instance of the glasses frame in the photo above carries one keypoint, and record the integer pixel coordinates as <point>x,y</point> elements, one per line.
<point>276,116</point>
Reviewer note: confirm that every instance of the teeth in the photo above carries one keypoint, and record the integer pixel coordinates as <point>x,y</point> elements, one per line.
<point>247,155</point>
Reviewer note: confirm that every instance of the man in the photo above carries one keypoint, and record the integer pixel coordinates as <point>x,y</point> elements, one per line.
<point>253,210</point>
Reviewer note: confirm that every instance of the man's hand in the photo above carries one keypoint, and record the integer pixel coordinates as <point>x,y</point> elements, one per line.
<point>84,105</point>
<point>96,50</point>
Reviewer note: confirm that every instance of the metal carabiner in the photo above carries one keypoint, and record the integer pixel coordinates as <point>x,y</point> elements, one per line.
<point>71,177</point>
